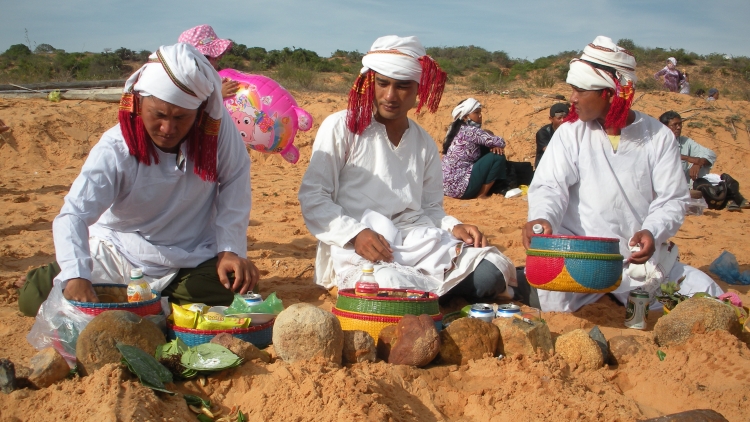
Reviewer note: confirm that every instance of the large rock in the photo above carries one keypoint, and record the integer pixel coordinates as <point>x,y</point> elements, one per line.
<point>417,341</point>
<point>466,339</point>
<point>304,332</point>
<point>622,349</point>
<point>247,351</point>
<point>48,367</point>
<point>386,337</point>
<point>97,344</point>
<point>7,376</point>
<point>697,415</point>
<point>579,350</point>
<point>518,336</point>
<point>359,346</point>
<point>695,316</point>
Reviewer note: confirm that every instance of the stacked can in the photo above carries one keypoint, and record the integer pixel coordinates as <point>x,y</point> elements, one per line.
<point>508,310</point>
<point>636,311</point>
<point>483,311</point>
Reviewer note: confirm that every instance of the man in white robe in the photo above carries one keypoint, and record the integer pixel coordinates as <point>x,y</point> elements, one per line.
<point>167,190</point>
<point>373,190</point>
<point>613,172</point>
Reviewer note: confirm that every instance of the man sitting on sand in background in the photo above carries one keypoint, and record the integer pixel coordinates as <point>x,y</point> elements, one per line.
<point>613,172</point>
<point>167,190</point>
<point>557,113</point>
<point>374,190</point>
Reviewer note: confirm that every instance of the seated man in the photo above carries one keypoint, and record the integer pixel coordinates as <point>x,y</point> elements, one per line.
<point>557,113</point>
<point>167,190</point>
<point>374,192</point>
<point>697,162</point>
<point>713,94</point>
<point>613,172</point>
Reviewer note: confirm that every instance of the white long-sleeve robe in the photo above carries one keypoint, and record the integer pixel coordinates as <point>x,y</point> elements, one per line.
<point>350,174</point>
<point>159,217</point>
<point>585,188</point>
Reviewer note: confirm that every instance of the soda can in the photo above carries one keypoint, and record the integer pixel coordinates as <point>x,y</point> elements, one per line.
<point>508,310</point>
<point>482,311</point>
<point>636,311</point>
<point>252,298</point>
<point>138,292</point>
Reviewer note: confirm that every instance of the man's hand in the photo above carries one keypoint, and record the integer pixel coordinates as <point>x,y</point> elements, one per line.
<point>498,150</point>
<point>80,290</point>
<point>246,274</point>
<point>696,167</point>
<point>528,230</point>
<point>646,241</point>
<point>228,88</point>
<point>372,246</point>
<point>470,235</point>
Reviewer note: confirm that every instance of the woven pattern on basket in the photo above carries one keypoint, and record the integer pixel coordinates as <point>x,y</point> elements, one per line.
<point>573,272</point>
<point>144,308</point>
<point>584,244</point>
<point>260,335</point>
<point>374,324</point>
<point>348,301</point>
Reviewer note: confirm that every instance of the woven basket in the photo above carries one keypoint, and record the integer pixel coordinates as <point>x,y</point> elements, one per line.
<point>349,301</point>
<point>574,264</point>
<point>374,324</point>
<point>260,335</point>
<point>145,308</point>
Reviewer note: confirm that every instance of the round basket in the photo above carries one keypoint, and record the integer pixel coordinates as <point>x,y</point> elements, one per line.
<point>373,324</point>
<point>144,308</point>
<point>573,272</point>
<point>260,335</point>
<point>348,301</point>
<point>584,244</point>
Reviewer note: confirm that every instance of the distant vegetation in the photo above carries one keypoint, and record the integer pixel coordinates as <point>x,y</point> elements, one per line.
<point>298,68</point>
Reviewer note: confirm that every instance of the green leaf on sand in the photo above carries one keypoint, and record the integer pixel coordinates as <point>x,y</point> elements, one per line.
<point>661,355</point>
<point>197,401</point>
<point>149,371</point>
<point>174,347</point>
<point>209,357</point>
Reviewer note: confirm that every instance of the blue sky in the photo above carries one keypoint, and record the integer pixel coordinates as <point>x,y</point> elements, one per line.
<point>524,29</point>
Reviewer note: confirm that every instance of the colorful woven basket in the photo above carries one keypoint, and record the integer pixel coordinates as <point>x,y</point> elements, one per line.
<point>260,335</point>
<point>374,324</point>
<point>388,305</point>
<point>576,264</point>
<point>145,308</point>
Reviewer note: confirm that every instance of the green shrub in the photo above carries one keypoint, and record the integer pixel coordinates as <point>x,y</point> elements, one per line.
<point>16,51</point>
<point>544,80</point>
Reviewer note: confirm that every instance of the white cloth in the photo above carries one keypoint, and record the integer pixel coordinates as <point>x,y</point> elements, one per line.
<point>673,61</point>
<point>191,69</point>
<point>404,66</point>
<point>349,174</point>
<point>587,189</point>
<point>465,108</point>
<point>159,217</point>
<point>605,52</point>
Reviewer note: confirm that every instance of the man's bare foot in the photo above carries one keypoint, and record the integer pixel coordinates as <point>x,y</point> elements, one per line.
<point>21,281</point>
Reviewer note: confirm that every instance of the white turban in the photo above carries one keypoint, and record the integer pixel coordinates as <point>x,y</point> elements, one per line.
<point>179,74</point>
<point>673,61</point>
<point>602,52</point>
<point>465,108</point>
<point>395,57</point>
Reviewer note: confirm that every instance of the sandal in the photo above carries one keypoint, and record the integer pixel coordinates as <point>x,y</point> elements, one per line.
<point>732,206</point>
<point>745,204</point>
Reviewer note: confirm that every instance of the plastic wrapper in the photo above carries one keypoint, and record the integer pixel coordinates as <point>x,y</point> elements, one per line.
<point>728,269</point>
<point>215,321</point>
<point>272,305</point>
<point>183,317</point>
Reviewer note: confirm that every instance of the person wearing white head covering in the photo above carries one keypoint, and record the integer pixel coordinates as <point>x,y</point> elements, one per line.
<point>673,78</point>
<point>598,179</point>
<point>473,158</point>
<point>373,189</point>
<point>167,191</point>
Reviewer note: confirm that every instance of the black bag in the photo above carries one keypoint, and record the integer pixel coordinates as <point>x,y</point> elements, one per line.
<point>716,196</point>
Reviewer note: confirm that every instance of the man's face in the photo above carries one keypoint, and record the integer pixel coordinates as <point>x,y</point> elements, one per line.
<point>590,105</point>
<point>394,98</point>
<point>166,123</point>
<point>675,125</point>
<point>557,120</point>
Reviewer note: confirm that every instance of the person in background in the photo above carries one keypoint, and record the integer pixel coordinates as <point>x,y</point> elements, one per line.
<point>467,173</point>
<point>671,75</point>
<point>203,38</point>
<point>713,94</point>
<point>685,83</point>
<point>557,113</point>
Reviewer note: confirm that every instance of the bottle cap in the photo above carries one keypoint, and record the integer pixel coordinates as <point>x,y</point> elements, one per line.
<point>368,268</point>
<point>538,229</point>
<point>136,273</point>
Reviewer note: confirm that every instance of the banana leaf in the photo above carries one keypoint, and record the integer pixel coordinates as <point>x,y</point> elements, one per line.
<point>209,357</point>
<point>149,371</point>
<point>174,347</point>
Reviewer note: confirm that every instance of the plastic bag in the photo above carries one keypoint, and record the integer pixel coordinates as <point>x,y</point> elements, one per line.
<point>272,305</point>
<point>727,268</point>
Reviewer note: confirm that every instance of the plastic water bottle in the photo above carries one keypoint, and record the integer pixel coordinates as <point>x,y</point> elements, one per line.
<point>367,286</point>
<point>138,288</point>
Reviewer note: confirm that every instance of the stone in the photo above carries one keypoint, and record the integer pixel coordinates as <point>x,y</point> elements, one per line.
<point>579,350</point>
<point>518,336</point>
<point>359,346</point>
<point>697,415</point>
<point>7,376</point>
<point>305,332</point>
<point>48,367</point>
<point>695,316</point>
<point>466,339</point>
<point>597,335</point>
<point>97,343</point>
<point>416,341</point>
<point>622,349</point>
<point>385,339</point>
<point>247,351</point>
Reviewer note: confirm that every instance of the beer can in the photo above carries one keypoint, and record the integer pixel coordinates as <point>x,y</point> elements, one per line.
<point>483,311</point>
<point>636,311</point>
<point>252,298</point>
<point>508,310</point>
